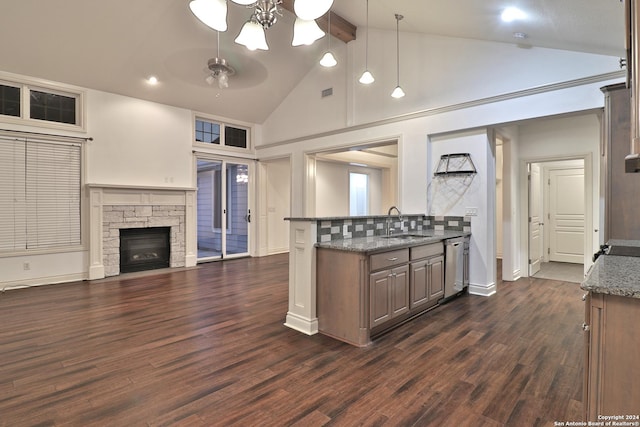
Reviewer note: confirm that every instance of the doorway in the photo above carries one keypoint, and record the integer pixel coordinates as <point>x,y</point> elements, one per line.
<point>223,212</point>
<point>557,217</point>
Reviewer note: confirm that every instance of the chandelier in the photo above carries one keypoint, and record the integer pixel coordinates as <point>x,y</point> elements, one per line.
<point>213,13</point>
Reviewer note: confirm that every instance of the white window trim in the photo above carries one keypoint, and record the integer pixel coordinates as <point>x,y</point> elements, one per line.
<point>26,85</point>
<point>222,148</point>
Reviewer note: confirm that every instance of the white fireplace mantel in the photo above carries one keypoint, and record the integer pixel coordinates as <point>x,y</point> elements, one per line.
<point>102,195</point>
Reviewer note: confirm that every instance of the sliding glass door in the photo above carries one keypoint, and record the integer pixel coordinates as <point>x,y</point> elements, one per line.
<point>223,209</point>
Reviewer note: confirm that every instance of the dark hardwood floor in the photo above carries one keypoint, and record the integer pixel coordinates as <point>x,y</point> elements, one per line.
<point>207,346</point>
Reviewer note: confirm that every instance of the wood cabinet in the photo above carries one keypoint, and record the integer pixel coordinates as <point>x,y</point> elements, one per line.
<point>360,296</point>
<point>621,189</point>
<point>427,274</point>
<point>612,338</point>
<point>389,294</point>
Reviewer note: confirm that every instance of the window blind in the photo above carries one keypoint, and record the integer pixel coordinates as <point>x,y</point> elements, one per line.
<point>40,206</point>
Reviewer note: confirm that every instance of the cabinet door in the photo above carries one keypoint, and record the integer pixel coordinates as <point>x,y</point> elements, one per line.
<point>594,363</point>
<point>436,277</point>
<point>399,290</point>
<point>380,303</point>
<point>419,283</point>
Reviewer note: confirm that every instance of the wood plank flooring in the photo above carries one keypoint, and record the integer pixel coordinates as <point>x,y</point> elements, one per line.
<point>207,347</point>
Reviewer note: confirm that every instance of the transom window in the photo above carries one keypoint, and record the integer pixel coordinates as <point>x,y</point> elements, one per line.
<point>21,102</point>
<point>53,107</point>
<point>210,132</point>
<point>10,100</point>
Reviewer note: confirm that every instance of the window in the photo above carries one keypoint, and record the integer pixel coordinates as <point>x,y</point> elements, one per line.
<point>40,195</point>
<point>52,107</point>
<point>358,194</point>
<point>39,105</point>
<point>10,100</point>
<point>209,132</point>
<point>235,137</point>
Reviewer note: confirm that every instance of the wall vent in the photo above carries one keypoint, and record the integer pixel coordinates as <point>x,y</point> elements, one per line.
<point>327,92</point>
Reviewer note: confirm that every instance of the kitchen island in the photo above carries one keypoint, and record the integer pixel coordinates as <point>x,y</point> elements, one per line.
<point>369,285</point>
<point>612,335</point>
<point>307,235</point>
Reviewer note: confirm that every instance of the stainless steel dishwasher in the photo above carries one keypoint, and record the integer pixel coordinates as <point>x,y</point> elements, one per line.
<point>456,272</point>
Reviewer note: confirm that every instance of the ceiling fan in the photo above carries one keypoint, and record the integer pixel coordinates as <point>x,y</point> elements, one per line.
<point>219,70</point>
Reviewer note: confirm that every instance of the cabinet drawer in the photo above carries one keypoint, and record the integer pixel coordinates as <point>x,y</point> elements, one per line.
<point>389,259</point>
<point>426,251</point>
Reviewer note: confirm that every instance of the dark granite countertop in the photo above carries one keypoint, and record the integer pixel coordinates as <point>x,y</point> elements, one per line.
<point>342,218</point>
<point>381,243</point>
<point>615,275</point>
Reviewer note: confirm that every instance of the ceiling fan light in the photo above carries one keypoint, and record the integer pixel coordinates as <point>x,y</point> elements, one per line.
<point>366,78</point>
<point>223,81</point>
<point>252,36</point>
<point>244,2</point>
<point>311,9</point>
<point>212,13</point>
<point>328,60</point>
<point>397,92</point>
<point>305,32</point>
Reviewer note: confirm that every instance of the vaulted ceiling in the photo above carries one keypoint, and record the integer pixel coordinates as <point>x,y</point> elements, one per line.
<point>115,45</point>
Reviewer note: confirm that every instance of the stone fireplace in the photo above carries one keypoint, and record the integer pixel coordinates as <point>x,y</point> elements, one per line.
<point>114,208</point>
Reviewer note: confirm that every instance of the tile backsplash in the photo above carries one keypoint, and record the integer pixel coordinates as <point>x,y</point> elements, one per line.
<point>348,228</point>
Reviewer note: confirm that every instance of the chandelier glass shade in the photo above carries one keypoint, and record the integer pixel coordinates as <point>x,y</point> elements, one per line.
<point>252,36</point>
<point>311,9</point>
<point>306,32</point>
<point>213,13</point>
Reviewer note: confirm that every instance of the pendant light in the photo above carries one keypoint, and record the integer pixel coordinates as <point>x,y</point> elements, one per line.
<point>398,92</point>
<point>367,77</point>
<point>328,60</point>
<point>305,32</point>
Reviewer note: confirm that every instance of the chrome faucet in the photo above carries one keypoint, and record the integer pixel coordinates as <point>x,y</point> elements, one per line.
<point>389,229</point>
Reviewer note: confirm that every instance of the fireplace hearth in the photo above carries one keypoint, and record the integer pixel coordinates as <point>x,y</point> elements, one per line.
<point>144,248</point>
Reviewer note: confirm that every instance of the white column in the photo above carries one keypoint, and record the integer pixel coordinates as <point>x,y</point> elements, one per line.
<point>302,277</point>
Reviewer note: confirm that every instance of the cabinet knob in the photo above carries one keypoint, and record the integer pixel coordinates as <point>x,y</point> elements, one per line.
<point>584,297</point>
<point>585,327</point>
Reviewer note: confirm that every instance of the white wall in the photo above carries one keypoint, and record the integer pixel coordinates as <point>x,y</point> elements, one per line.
<point>278,201</point>
<point>499,200</point>
<point>332,188</point>
<point>434,72</point>
<point>138,142</point>
<point>562,138</point>
<point>452,195</point>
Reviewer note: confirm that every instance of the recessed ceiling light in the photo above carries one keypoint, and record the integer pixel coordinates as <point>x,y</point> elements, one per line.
<point>153,80</point>
<point>511,14</point>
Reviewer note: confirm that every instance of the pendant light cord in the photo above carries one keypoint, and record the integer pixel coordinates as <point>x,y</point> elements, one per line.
<point>398,18</point>
<point>366,50</point>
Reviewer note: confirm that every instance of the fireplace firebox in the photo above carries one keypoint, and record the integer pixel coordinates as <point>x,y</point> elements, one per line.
<point>144,248</point>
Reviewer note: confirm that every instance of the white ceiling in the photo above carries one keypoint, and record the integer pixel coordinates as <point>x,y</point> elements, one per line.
<point>113,45</point>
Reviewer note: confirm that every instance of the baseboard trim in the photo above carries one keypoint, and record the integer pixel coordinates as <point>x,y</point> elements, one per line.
<point>300,324</point>
<point>483,290</point>
<point>42,281</point>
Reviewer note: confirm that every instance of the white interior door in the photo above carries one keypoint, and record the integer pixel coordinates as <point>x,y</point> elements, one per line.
<point>566,215</point>
<point>535,219</point>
